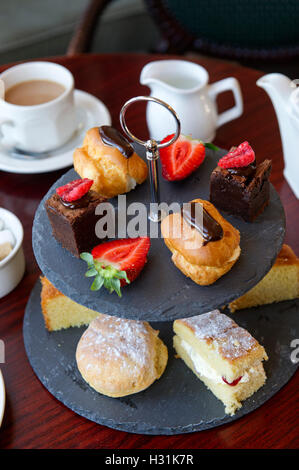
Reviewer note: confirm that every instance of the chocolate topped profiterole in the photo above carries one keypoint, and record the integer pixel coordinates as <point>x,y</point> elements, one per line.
<point>71,212</point>
<point>110,136</point>
<point>203,244</point>
<point>240,186</point>
<point>197,217</point>
<point>110,161</point>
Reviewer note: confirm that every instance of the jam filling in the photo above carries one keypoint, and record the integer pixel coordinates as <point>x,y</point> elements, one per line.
<point>207,226</point>
<point>234,383</point>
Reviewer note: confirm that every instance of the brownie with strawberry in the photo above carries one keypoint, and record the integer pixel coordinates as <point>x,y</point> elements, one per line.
<point>71,211</point>
<point>240,186</point>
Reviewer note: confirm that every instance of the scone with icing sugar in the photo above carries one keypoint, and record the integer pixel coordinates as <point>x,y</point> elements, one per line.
<point>224,356</point>
<point>108,158</point>
<point>119,357</point>
<point>204,245</point>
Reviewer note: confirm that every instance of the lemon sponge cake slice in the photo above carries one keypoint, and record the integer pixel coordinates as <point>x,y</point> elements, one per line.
<point>224,356</point>
<point>281,283</point>
<point>61,312</point>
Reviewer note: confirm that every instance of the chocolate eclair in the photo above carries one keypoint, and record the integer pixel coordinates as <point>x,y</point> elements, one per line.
<point>108,158</point>
<point>110,136</point>
<point>204,245</point>
<point>201,220</point>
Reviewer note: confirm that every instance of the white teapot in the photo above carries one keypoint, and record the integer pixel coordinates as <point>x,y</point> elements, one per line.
<point>184,86</point>
<point>285,99</point>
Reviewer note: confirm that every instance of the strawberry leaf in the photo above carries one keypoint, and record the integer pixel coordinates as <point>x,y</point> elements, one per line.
<point>107,276</point>
<point>122,275</point>
<point>91,272</point>
<point>97,283</point>
<point>211,146</point>
<point>88,258</point>
<point>115,286</point>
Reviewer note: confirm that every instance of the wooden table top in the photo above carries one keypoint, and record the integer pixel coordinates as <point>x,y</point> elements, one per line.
<point>33,417</point>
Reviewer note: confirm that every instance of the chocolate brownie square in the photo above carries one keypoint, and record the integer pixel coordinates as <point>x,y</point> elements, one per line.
<point>243,192</point>
<point>73,225</point>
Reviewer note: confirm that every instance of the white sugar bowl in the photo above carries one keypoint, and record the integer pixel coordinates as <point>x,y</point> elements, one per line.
<point>12,267</point>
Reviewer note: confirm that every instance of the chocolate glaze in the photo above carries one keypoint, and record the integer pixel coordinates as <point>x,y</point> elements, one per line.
<point>78,204</point>
<point>113,138</point>
<point>246,171</point>
<point>208,227</point>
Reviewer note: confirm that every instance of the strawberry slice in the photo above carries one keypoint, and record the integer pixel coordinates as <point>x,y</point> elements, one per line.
<point>239,157</point>
<point>182,157</point>
<point>127,254</point>
<point>74,190</point>
<point>117,263</point>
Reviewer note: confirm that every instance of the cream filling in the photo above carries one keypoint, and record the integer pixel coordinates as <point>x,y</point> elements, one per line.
<point>235,255</point>
<point>131,183</point>
<point>203,368</point>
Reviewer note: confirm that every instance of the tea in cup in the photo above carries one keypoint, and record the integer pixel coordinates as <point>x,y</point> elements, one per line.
<point>37,112</point>
<point>33,92</point>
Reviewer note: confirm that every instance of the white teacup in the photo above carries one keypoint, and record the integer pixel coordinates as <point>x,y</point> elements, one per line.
<point>41,127</point>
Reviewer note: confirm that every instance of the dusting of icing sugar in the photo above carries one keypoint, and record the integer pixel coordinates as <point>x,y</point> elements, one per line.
<point>235,343</point>
<point>228,338</point>
<point>117,339</point>
<point>209,325</point>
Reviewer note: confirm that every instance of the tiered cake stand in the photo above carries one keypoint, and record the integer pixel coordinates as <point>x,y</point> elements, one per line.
<point>178,402</point>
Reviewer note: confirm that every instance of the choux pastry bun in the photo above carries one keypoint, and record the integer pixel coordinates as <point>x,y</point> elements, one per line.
<point>110,161</point>
<point>118,357</point>
<point>203,247</point>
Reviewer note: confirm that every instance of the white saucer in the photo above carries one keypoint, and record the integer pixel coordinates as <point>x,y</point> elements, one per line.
<point>2,397</point>
<point>90,112</point>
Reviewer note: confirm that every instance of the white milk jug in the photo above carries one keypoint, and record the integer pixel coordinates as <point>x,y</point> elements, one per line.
<point>184,86</point>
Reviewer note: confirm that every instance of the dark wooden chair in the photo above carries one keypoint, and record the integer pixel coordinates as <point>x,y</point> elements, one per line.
<point>83,35</point>
<point>243,29</point>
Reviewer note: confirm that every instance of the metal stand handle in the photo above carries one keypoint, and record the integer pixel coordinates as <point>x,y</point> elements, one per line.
<point>152,150</point>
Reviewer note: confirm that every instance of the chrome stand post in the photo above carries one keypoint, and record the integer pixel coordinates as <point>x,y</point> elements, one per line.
<point>152,151</point>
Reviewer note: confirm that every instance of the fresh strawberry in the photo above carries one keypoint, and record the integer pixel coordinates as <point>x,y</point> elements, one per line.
<point>234,382</point>
<point>239,157</point>
<point>181,158</point>
<point>117,263</point>
<point>127,254</point>
<point>74,190</point>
